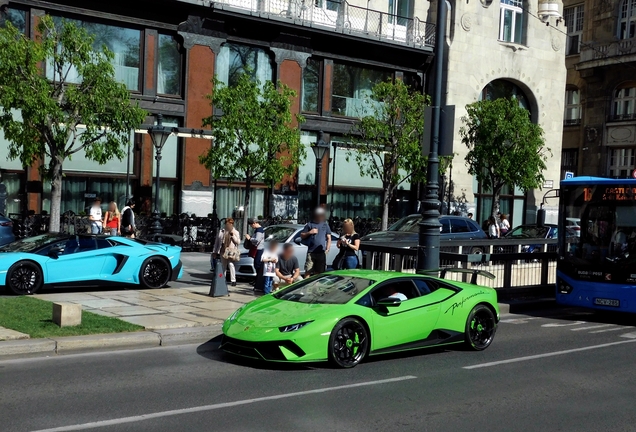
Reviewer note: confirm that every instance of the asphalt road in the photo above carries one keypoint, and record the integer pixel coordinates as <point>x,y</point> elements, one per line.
<point>567,371</point>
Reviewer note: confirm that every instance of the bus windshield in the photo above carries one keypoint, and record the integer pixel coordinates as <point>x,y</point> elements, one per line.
<point>605,246</point>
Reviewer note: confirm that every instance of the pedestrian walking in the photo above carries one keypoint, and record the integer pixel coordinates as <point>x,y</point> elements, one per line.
<point>255,244</point>
<point>287,268</point>
<point>316,235</point>
<point>348,243</point>
<point>112,219</point>
<point>269,258</point>
<point>226,249</point>
<point>128,219</point>
<point>493,228</point>
<point>504,225</point>
<point>95,216</point>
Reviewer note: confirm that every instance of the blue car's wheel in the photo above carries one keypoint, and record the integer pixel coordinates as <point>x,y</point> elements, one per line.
<point>24,277</point>
<point>348,343</point>
<point>480,328</point>
<point>154,273</point>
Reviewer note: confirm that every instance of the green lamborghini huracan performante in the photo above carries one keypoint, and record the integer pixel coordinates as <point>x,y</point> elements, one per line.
<point>343,316</point>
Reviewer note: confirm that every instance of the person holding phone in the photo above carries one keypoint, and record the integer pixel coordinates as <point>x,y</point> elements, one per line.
<point>316,235</point>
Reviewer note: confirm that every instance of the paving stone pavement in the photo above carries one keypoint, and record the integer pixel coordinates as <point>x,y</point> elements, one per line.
<point>7,335</point>
<point>183,304</point>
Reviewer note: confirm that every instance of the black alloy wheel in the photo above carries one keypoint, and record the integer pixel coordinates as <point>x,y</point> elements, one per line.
<point>24,278</point>
<point>348,343</point>
<point>480,328</point>
<point>154,273</point>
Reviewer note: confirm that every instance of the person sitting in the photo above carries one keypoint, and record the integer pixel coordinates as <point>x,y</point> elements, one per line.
<point>389,291</point>
<point>287,268</point>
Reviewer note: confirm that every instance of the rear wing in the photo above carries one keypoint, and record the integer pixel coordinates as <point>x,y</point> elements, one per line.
<point>474,272</point>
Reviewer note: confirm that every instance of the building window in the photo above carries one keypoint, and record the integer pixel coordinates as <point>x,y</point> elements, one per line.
<point>624,103</point>
<point>79,192</point>
<point>511,23</point>
<point>351,87</point>
<point>621,162</point>
<point>235,60</point>
<point>498,89</point>
<point>399,12</point>
<point>125,44</point>
<point>574,22</point>
<point>17,17</point>
<point>627,20</point>
<point>311,85</point>
<point>512,202</point>
<point>169,66</point>
<point>572,107</point>
<point>569,161</point>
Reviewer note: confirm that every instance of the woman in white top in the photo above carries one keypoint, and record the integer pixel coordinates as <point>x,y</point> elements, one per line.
<point>493,228</point>
<point>504,225</point>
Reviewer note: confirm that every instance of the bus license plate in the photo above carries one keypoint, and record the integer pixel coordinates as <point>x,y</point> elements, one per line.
<point>607,302</point>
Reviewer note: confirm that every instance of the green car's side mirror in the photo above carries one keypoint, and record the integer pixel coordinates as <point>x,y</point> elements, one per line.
<point>389,302</point>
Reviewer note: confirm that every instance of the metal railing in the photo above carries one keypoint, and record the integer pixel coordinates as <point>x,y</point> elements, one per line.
<point>621,117</point>
<point>605,50</point>
<point>516,273</point>
<point>339,16</point>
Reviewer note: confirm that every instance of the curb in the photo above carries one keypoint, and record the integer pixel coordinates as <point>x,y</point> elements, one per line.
<point>106,342</point>
<point>518,306</point>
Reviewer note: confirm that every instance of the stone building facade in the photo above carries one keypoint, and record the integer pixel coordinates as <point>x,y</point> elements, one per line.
<point>599,136</point>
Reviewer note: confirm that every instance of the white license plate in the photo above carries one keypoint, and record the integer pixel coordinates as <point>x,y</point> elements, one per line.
<point>607,302</point>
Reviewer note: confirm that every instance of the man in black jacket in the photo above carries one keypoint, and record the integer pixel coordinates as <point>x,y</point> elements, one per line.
<point>128,219</point>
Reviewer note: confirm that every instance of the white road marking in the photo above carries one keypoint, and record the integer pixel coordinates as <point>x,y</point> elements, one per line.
<point>143,417</point>
<point>564,325</point>
<point>629,335</point>
<point>592,327</point>
<point>551,354</point>
<point>517,320</point>
<point>609,330</point>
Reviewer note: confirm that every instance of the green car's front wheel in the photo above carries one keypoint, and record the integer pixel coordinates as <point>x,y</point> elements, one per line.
<point>348,343</point>
<point>480,328</point>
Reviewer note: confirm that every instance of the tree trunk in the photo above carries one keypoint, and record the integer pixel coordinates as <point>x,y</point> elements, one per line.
<point>495,201</point>
<point>56,194</point>
<point>385,208</point>
<point>246,201</point>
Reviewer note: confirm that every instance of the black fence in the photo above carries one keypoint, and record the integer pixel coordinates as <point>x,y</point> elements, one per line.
<point>194,233</point>
<point>517,273</point>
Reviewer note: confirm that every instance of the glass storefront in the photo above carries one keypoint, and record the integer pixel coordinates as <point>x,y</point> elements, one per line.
<point>352,85</point>
<point>125,44</point>
<point>169,66</point>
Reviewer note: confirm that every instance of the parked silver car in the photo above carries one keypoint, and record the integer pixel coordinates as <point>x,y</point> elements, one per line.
<point>284,233</point>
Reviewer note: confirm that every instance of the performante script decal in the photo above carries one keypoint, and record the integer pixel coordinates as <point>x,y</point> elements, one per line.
<point>460,303</point>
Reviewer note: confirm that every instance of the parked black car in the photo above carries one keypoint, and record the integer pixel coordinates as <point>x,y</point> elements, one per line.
<point>405,232</point>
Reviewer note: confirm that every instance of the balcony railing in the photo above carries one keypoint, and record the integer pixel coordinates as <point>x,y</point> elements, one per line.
<point>571,122</point>
<point>621,117</point>
<point>605,50</point>
<point>341,17</point>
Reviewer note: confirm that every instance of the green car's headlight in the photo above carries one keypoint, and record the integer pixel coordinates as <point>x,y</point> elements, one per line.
<point>293,327</point>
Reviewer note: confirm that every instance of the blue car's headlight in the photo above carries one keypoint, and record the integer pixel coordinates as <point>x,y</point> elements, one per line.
<point>293,327</point>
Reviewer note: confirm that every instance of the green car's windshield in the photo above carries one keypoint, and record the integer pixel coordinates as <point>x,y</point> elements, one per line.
<point>30,244</point>
<point>327,289</point>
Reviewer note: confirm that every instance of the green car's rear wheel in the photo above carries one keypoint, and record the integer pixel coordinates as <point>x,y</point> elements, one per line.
<point>348,343</point>
<point>480,328</point>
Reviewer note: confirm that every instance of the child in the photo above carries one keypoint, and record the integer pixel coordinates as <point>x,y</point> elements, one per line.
<point>269,258</point>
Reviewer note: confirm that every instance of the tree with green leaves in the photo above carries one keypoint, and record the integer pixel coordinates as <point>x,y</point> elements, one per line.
<point>75,105</point>
<point>253,138</point>
<point>504,147</point>
<point>387,141</point>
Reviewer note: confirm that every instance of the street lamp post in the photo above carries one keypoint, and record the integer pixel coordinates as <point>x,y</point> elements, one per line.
<point>320,149</point>
<point>159,135</point>
<point>429,226</point>
<point>333,179</point>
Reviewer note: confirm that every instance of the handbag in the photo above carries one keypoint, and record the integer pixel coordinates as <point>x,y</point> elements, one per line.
<point>231,255</point>
<point>251,249</point>
<point>337,261</point>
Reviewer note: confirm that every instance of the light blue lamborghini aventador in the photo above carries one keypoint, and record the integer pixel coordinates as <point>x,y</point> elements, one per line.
<point>62,260</point>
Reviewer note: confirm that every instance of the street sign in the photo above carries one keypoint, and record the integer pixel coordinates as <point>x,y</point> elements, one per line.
<point>634,174</point>
<point>548,184</point>
<point>569,175</point>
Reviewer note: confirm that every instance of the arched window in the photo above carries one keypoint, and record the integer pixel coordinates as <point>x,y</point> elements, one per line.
<point>624,103</point>
<point>498,89</point>
<point>627,19</point>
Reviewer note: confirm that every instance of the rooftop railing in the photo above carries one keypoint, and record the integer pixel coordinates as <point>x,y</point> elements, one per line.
<point>341,17</point>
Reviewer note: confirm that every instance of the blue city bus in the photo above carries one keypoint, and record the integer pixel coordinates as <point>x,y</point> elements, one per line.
<point>597,268</point>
